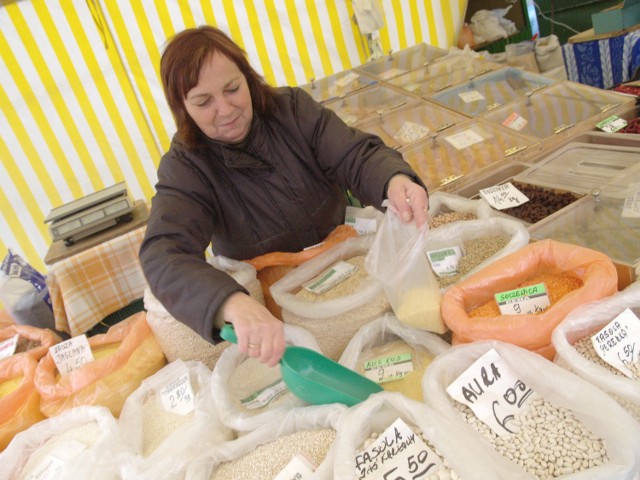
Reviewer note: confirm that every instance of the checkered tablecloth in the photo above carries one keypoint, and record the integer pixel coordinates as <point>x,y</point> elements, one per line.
<point>88,286</point>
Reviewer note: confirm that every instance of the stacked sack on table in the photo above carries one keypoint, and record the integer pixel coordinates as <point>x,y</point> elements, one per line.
<point>546,421</point>
<point>573,275</point>
<point>576,352</point>
<point>177,340</point>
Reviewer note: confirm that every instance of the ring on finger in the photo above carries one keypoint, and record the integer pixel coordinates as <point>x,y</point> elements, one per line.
<point>253,345</point>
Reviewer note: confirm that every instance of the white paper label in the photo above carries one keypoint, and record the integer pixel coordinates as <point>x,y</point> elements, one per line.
<point>392,72</point>
<point>49,467</point>
<point>411,132</point>
<point>493,391</point>
<point>331,277</point>
<point>263,396</point>
<point>444,261</point>
<point>612,124</point>
<point>347,79</point>
<point>388,368</point>
<point>464,139</point>
<point>515,122</point>
<point>71,354</point>
<point>616,342</point>
<point>472,96</point>
<point>398,453</point>
<point>299,468</point>
<point>8,346</point>
<point>177,395</point>
<point>528,300</point>
<point>631,208</point>
<point>362,224</point>
<point>503,196</point>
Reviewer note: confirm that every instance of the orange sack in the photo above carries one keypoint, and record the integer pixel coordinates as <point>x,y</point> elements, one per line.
<point>36,340</point>
<point>123,357</point>
<point>533,332</point>
<point>271,267</point>
<point>19,399</point>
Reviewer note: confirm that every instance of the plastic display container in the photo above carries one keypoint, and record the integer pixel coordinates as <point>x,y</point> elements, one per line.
<point>565,109</point>
<point>582,167</point>
<point>453,156</point>
<point>397,63</point>
<point>491,90</point>
<point>410,124</point>
<point>443,73</point>
<point>369,103</point>
<point>596,222</point>
<point>337,85</point>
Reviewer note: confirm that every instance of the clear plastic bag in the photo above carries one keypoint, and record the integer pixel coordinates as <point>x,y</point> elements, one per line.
<point>397,260</point>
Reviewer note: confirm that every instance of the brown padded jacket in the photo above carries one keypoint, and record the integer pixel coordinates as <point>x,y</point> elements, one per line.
<point>281,189</point>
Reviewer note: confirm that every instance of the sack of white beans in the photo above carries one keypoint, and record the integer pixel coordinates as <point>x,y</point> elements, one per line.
<point>570,429</point>
<point>575,351</point>
<point>166,421</point>
<point>445,208</point>
<point>332,312</point>
<point>178,341</point>
<point>480,242</point>
<point>446,446</point>
<point>247,393</point>
<point>298,442</point>
<point>80,442</point>
<point>387,341</point>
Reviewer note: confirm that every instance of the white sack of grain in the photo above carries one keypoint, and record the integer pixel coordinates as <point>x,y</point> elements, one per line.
<point>592,408</point>
<point>447,235</point>
<point>387,334</point>
<point>264,452</point>
<point>81,442</point>
<point>334,316</point>
<point>178,341</point>
<point>443,202</point>
<point>247,393</point>
<point>469,460</point>
<point>167,420</point>
<point>585,321</point>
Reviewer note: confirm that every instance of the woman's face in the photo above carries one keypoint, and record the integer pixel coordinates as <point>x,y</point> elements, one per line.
<point>220,104</point>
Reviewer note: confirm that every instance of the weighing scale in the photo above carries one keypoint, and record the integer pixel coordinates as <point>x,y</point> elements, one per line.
<point>90,214</point>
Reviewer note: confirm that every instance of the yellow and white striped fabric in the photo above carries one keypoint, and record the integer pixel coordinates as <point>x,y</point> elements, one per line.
<point>81,106</point>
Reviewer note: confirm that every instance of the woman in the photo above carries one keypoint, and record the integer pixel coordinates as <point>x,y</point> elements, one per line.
<point>251,170</point>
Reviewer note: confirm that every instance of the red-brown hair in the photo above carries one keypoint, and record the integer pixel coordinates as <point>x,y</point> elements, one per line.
<point>180,66</point>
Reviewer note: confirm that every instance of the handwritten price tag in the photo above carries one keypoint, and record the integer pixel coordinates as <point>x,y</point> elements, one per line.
<point>444,261</point>
<point>493,391</point>
<point>71,354</point>
<point>631,208</point>
<point>177,395</point>
<point>616,342</point>
<point>472,96</point>
<point>397,454</point>
<point>504,196</point>
<point>515,122</point>
<point>386,369</point>
<point>526,300</point>
<point>8,347</point>
<point>464,139</point>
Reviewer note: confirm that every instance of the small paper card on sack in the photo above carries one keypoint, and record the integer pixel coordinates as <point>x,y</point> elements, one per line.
<point>396,454</point>
<point>8,346</point>
<point>71,354</point>
<point>618,343</point>
<point>299,468</point>
<point>529,300</point>
<point>175,391</point>
<point>331,277</point>
<point>504,196</point>
<point>493,391</point>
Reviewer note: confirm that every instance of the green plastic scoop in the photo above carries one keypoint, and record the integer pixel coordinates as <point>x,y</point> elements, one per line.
<point>316,379</point>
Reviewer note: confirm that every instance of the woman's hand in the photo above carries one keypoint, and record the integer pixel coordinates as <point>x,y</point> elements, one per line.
<point>408,199</point>
<point>260,334</point>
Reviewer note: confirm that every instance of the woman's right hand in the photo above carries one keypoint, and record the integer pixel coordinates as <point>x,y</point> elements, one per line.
<point>260,334</point>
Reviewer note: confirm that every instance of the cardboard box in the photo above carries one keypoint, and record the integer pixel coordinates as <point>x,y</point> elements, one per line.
<point>618,18</point>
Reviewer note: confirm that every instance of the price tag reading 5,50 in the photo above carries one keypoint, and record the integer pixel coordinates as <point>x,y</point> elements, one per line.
<point>397,454</point>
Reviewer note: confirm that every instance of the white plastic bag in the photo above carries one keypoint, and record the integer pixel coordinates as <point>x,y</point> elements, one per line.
<point>81,442</point>
<point>548,53</point>
<point>584,321</point>
<point>267,441</point>
<point>228,378</point>
<point>333,321</point>
<point>598,412</point>
<point>397,260</point>
<point>160,443</point>
<point>468,459</point>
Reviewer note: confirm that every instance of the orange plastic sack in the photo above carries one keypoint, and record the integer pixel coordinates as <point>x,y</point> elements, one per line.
<point>19,399</point>
<point>6,319</point>
<point>532,332</point>
<point>124,356</point>
<point>271,267</point>
<point>33,340</point>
